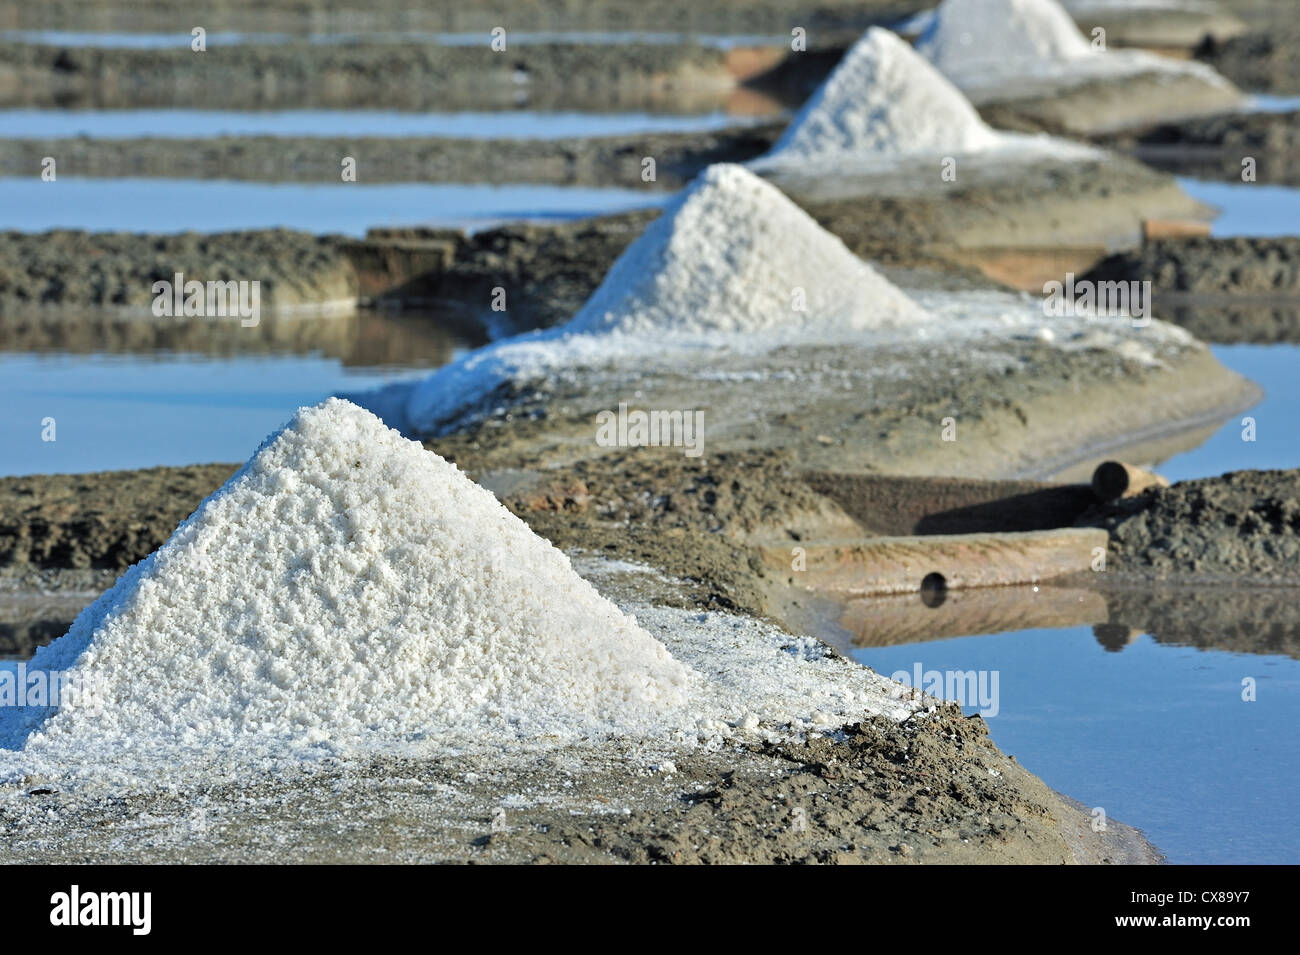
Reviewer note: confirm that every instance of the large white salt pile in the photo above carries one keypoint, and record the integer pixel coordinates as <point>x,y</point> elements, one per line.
<point>882,101</point>
<point>348,585</point>
<point>730,263</point>
<point>996,44</point>
<point>731,253</point>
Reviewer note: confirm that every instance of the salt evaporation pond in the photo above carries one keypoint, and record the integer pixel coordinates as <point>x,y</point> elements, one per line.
<point>141,410</point>
<point>1277,428</point>
<point>487,124</point>
<point>202,205</point>
<point>1248,208</point>
<point>1262,103</point>
<point>1156,734</point>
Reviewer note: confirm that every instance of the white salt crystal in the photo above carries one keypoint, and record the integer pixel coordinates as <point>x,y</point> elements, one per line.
<point>881,101</point>
<point>1005,46</point>
<point>731,253</point>
<point>348,584</point>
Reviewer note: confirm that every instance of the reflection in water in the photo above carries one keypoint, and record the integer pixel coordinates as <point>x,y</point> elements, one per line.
<point>363,339</point>
<point>1174,709</point>
<point>141,393</point>
<point>1241,321</point>
<point>1235,619</point>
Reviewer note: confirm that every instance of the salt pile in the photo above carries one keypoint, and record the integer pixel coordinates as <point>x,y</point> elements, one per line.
<point>999,44</point>
<point>882,101</point>
<point>963,37</point>
<point>348,585</point>
<point>732,253</point>
<point>731,262</point>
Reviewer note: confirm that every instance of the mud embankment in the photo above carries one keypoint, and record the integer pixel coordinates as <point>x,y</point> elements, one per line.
<point>1105,107</point>
<point>677,77</point>
<point>1261,61</point>
<point>603,161</point>
<point>1243,527</point>
<point>1240,266</point>
<point>1220,147</point>
<point>1221,290</point>
<point>454,16</point>
<point>118,270</point>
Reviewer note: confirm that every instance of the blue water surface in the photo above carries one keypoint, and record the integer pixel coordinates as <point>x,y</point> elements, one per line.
<point>1157,736</point>
<point>207,123</point>
<point>203,205</point>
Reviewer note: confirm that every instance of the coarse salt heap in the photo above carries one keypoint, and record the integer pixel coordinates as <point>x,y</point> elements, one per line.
<point>1000,44</point>
<point>348,585</point>
<point>882,101</point>
<point>971,37</point>
<point>732,253</point>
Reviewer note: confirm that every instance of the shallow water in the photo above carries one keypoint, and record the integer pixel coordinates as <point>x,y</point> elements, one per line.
<point>213,399</point>
<point>1276,417</point>
<point>161,41</point>
<point>1154,733</point>
<point>492,124</point>
<point>1248,208</point>
<point>350,208</point>
<point>1263,103</point>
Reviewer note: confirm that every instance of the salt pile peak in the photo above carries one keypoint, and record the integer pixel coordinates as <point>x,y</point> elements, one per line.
<point>986,45</point>
<point>348,585</point>
<point>882,101</point>
<point>969,37</point>
<point>732,253</point>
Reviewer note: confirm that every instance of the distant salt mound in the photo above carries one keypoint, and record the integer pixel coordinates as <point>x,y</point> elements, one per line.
<point>981,44</point>
<point>732,254</point>
<point>730,263</point>
<point>968,38</point>
<point>347,585</point>
<point>882,101</point>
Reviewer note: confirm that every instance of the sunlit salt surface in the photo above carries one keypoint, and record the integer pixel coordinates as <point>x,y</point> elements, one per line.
<point>1248,208</point>
<point>488,124</point>
<point>350,208</point>
<point>163,41</point>
<point>1155,734</point>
